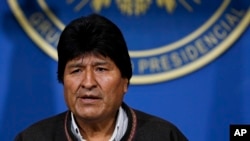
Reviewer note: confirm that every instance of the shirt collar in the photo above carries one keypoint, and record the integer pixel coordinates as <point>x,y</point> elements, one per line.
<point>118,133</point>
<point>75,130</point>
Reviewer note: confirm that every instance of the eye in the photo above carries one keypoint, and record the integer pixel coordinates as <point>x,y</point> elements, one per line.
<point>75,71</point>
<point>101,69</point>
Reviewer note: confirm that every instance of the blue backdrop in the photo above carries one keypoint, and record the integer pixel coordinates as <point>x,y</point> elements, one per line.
<point>190,61</point>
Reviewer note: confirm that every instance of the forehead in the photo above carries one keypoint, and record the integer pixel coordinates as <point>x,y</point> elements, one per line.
<point>90,57</point>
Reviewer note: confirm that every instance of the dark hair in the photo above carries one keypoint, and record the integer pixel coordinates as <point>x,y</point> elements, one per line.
<point>93,34</point>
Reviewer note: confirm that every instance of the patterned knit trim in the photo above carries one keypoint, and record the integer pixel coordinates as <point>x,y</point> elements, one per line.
<point>134,124</point>
<point>65,127</point>
<point>132,133</point>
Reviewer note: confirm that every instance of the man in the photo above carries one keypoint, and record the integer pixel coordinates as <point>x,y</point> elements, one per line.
<point>95,68</point>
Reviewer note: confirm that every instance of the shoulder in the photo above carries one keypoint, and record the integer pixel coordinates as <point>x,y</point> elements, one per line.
<point>48,123</point>
<point>156,128</point>
<point>145,118</point>
<point>43,129</point>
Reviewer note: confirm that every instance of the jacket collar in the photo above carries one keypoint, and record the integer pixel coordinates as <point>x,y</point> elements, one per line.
<point>129,134</point>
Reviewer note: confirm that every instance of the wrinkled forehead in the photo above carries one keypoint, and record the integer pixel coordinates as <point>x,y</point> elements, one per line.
<point>91,57</point>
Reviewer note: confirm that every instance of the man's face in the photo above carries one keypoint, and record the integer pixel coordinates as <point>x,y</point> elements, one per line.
<point>93,87</point>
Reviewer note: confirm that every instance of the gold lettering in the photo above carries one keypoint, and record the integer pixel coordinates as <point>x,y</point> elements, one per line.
<point>176,59</point>
<point>133,65</point>
<point>192,52</point>
<point>36,18</point>
<point>184,56</point>
<point>143,65</point>
<point>44,27</point>
<point>232,20</point>
<point>238,13</point>
<point>210,39</point>
<point>225,26</point>
<point>52,36</point>
<point>200,46</point>
<point>219,32</point>
<point>165,62</point>
<point>154,65</point>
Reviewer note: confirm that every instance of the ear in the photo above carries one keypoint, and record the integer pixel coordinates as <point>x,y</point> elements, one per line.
<point>125,85</point>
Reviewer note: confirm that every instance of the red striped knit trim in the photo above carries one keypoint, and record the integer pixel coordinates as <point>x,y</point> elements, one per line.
<point>132,133</point>
<point>65,127</point>
<point>134,124</point>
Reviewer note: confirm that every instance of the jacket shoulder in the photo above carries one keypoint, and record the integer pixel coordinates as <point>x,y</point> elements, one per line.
<point>45,129</point>
<point>150,127</point>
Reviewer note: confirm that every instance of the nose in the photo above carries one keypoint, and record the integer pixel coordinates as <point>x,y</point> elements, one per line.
<point>88,80</point>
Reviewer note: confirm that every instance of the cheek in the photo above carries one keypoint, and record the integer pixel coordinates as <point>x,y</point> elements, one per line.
<point>70,89</point>
<point>71,85</point>
<point>108,82</point>
<point>114,87</point>
<point>69,95</point>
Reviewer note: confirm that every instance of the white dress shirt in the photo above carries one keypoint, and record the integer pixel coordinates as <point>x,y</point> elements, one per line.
<point>120,127</point>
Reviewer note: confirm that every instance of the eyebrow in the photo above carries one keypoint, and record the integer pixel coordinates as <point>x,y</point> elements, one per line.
<point>78,64</point>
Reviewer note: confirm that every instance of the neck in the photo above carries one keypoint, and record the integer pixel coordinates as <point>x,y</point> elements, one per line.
<point>96,129</point>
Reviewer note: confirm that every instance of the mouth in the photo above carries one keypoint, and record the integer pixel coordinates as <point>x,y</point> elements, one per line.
<point>89,99</point>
